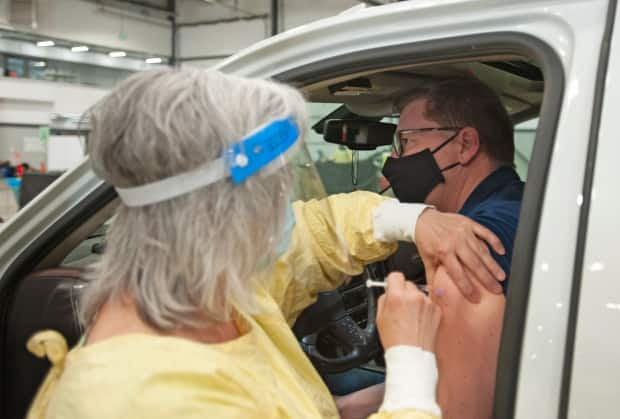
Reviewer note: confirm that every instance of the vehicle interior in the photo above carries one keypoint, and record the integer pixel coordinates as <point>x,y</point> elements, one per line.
<point>45,294</point>
<point>363,101</point>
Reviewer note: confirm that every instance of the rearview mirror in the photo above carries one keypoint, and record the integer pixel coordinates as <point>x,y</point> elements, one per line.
<point>358,134</point>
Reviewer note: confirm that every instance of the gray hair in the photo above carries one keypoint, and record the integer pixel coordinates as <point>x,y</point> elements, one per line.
<point>195,256</point>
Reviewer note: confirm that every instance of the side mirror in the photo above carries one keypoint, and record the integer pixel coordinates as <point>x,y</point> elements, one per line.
<point>358,134</point>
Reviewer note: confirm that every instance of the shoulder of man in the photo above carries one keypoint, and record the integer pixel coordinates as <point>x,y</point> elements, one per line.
<point>502,218</point>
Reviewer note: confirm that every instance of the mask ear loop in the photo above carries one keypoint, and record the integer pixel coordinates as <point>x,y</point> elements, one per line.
<point>442,145</point>
<point>450,166</point>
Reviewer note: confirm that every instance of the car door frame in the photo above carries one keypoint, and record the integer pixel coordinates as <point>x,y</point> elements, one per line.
<point>584,216</point>
<point>514,320</point>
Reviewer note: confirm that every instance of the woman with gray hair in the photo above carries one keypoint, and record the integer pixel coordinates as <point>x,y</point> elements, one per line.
<point>188,312</point>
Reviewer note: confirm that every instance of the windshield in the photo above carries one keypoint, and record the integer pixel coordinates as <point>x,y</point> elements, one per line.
<point>334,162</point>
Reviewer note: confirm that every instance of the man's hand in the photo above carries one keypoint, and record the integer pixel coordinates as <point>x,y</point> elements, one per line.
<point>458,243</point>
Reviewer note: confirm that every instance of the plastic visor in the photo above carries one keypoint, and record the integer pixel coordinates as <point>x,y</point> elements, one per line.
<point>321,225</point>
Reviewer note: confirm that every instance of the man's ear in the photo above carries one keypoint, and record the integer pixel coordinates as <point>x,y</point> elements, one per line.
<point>470,145</point>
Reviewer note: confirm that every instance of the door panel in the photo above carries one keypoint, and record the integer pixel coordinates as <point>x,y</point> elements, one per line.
<point>596,363</point>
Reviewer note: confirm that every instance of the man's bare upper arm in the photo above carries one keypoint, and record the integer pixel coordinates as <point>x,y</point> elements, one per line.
<point>467,347</point>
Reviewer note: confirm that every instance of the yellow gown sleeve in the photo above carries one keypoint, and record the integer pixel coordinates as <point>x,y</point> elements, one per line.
<point>333,239</point>
<point>53,346</point>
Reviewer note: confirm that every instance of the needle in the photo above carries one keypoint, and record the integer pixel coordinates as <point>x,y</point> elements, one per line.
<point>370,283</point>
<point>382,284</point>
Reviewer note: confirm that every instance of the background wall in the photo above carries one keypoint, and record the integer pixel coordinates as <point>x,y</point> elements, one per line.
<point>220,39</point>
<point>24,101</point>
<point>13,140</point>
<point>208,32</point>
<point>27,104</point>
<point>226,38</point>
<point>4,12</point>
<point>90,23</point>
<point>109,26</point>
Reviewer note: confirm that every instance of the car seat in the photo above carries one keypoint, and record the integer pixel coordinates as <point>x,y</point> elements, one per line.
<point>46,299</point>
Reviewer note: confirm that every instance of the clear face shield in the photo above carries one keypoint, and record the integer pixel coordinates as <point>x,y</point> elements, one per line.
<point>306,182</point>
<point>305,197</point>
<point>318,232</point>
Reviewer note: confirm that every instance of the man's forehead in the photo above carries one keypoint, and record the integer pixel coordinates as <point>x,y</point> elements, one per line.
<point>414,111</point>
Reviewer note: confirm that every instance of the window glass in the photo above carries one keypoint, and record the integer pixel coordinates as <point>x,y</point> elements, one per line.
<point>334,166</point>
<point>65,72</point>
<point>15,67</point>
<point>36,69</point>
<point>335,162</point>
<point>90,250</point>
<point>525,133</point>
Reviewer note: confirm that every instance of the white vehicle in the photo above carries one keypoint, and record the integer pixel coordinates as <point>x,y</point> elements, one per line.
<point>548,59</point>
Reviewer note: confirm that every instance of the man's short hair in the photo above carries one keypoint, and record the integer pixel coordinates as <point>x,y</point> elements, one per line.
<point>467,102</point>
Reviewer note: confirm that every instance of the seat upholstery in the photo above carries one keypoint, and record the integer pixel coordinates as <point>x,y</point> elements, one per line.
<point>46,299</point>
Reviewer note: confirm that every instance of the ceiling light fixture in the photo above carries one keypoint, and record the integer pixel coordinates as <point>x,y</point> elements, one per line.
<point>45,44</point>
<point>117,54</point>
<point>154,60</point>
<point>81,48</point>
<point>40,64</point>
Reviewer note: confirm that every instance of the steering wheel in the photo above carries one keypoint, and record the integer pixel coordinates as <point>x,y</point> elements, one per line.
<point>331,337</point>
<point>327,330</point>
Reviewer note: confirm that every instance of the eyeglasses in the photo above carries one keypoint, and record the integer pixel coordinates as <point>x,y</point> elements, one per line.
<point>403,137</point>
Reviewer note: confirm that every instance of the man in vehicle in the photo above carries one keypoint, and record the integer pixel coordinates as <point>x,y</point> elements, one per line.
<point>454,150</point>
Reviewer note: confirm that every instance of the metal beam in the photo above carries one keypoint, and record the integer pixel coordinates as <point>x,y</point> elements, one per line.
<point>133,11</point>
<point>275,10</point>
<point>118,11</point>
<point>205,57</point>
<point>146,5</point>
<point>172,5</point>
<point>225,20</point>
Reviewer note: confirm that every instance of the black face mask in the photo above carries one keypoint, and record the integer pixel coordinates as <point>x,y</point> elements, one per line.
<point>414,177</point>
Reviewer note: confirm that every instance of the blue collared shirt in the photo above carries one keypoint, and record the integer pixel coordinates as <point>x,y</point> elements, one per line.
<point>495,203</point>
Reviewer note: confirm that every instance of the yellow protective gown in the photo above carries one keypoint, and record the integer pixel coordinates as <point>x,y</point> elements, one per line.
<point>262,374</point>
